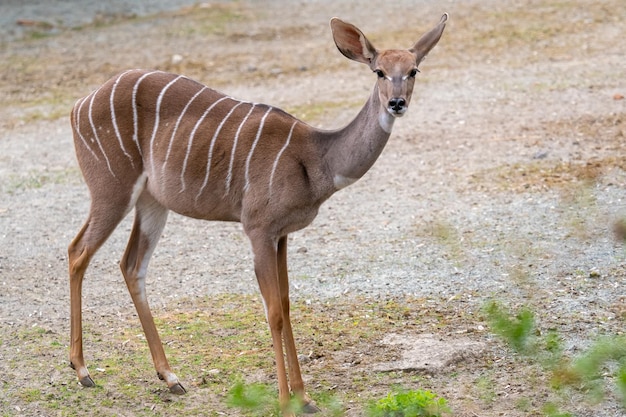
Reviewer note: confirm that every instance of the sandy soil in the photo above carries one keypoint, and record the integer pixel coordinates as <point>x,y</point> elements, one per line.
<point>504,180</point>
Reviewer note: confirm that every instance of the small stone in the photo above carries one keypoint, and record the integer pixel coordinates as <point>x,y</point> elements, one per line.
<point>176,59</point>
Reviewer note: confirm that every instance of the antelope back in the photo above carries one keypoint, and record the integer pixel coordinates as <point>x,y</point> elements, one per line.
<point>200,153</point>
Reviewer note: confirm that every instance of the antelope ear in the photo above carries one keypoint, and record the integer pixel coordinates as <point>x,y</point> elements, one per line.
<point>429,40</point>
<point>352,43</point>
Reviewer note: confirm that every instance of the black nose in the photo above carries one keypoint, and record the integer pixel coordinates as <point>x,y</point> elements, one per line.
<point>397,103</point>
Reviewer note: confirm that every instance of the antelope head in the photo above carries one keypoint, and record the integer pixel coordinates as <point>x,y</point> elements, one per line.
<point>396,68</point>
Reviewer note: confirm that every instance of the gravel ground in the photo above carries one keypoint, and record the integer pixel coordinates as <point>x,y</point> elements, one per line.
<point>504,180</point>
<point>19,17</point>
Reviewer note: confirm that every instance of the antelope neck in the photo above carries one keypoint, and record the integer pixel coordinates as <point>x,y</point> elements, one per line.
<point>351,151</point>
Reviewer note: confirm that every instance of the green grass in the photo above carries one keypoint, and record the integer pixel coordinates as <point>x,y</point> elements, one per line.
<point>35,179</point>
<point>588,373</point>
<point>213,345</point>
<point>221,350</point>
<point>318,110</point>
<point>409,403</point>
<point>203,20</point>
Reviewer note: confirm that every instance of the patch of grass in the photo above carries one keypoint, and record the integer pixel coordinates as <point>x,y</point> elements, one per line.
<point>30,395</point>
<point>39,79</point>
<point>589,369</point>
<point>533,29</point>
<point>445,234</point>
<point>515,329</point>
<point>579,206</point>
<point>50,112</point>
<point>205,19</point>
<point>215,343</point>
<point>255,399</point>
<point>39,179</point>
<point>412,403</point>
<point>587,373</point>
<point>314,111</point>
<point>537,176</point>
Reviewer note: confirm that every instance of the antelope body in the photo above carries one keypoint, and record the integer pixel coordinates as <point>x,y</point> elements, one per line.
<point>156,142</point>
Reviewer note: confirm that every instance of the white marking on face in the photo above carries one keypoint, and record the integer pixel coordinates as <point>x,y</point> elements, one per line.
<point>229,176</point>
<point>256,140</point>
<point>114,120</point>
<point>279,155</point>
<point>190,142</point>
<point>342,182</point>
<point>180,118</point>
<point>213,140</point>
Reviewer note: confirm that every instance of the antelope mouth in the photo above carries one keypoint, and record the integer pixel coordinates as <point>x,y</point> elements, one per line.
<point>397,112</point>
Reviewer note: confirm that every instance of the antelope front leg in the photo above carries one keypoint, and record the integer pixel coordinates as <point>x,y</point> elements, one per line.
<point>295,375</point>
<point>266,270</point>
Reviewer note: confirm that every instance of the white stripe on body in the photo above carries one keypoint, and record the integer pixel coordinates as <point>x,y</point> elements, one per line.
<point>114,121</point>
<point>95,132</point>
<point>256,140</point>
<point>180,118</point>
<point>229,176</point>
<point>213,140</point>
<point>190,143</point>
<point>134,103</point>
<point>157,119</point>
<point>279,155</point>
<point>77,109</point>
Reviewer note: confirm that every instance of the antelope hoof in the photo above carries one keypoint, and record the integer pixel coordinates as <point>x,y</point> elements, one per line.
<point>87,382</point>
<point>177,389</point>
<point>310,408</point>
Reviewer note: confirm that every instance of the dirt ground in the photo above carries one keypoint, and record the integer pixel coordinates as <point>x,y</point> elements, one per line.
<point>504,180</point>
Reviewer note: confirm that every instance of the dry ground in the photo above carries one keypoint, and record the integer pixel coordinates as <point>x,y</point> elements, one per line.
<point>503,181</point>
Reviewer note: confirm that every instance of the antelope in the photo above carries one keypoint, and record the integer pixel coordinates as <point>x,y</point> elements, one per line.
<point>156,142</point>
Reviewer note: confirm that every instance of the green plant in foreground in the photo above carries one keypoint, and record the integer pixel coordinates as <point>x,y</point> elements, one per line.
<point>585,373</point>
<point>552,410</point>
<point>515,330</point>
<point>257,399</point>
<point>418,403</point>
<point>261,400</point>
<point>588,369</point>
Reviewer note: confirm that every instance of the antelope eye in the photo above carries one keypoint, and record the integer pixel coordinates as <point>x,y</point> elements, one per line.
<point>413,72</point>
<point>380,73</point>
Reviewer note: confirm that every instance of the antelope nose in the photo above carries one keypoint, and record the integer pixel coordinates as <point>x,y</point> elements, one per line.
<point>397,104</point>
